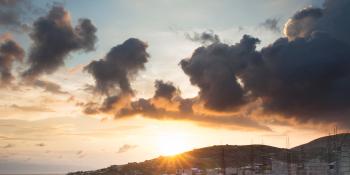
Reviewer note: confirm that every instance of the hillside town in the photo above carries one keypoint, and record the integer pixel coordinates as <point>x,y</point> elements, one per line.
<point>275,167</point>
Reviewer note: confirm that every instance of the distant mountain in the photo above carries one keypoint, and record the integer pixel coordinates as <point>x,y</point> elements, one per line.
<point>231,155</point>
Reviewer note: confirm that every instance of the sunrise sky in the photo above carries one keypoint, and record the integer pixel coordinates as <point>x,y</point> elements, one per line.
<point>88,84</point>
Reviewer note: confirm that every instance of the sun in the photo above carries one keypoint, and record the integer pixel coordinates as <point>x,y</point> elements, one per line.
<point>172,143</point>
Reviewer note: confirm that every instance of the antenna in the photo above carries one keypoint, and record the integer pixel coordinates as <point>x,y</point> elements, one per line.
<point>329,152</point>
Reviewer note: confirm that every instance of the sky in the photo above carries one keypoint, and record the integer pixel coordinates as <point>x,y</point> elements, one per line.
<point>88,84</point>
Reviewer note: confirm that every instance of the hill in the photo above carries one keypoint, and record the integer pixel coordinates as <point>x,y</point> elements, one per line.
<point>232,155</point>
<point>323,148</point>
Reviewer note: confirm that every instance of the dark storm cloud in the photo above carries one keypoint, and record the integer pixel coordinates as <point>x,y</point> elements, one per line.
<point>151,110</point>
<point>165,90</point>
<point>86,34</point>
<point>10,51</point>
<point>215,69</point>
<point>181,109</point>
<point>308,12</point>
<point>332,18</point>
<point>186,105</point>
<point>304,76</point>
<point>307,78</point>
<point>155,105</point>
<point>49,87</point>
<point>114,71</point>
<point>112,77</point>
<point>141,106</point>
<point>271,24</point>
<point>109,103</point>
<point>303,23</point>
<point>54,38</point>
<point>206,37</point>
<point>90,108</point>
<point>14,13</point>
<point>167,103</point>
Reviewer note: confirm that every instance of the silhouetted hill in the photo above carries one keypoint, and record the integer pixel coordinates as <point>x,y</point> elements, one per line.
<point>233,155</point>
<point>323,147</point>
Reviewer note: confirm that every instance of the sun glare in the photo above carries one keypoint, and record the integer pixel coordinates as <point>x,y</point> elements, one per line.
<point>172,143</point>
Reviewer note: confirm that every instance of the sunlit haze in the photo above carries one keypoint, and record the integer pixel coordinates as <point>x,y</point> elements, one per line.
<point>89,84</point>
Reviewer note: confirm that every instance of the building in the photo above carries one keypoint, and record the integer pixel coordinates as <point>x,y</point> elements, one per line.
<point>343,161</point>
<point>231,171</point>
<point>184,172</point>
<point>316,167</point>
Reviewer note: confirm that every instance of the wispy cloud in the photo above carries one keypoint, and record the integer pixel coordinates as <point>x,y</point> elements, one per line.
<point>272,24</point>
<point>49,87</point>
<point>32,108</point>
<point>8,146</point>
<point>40,144</point>
<point>126,147</point>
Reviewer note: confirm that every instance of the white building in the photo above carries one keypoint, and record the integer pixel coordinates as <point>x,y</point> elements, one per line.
<point>231,171</point>
<point>283,168</point>
<point>343,166</point>
<point>184,172</point>
<point>316,167</point>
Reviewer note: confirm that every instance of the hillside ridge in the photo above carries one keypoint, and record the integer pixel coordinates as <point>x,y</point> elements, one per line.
<point>234,156</point>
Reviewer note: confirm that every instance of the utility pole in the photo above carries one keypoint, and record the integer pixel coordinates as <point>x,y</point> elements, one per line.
<point>343,155</point>
<point>289,162</point>
<point>223,162</point>
<point>288,154</point>
<point>301,163</point>
<point>289,157</point>
<point>252,158</point>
